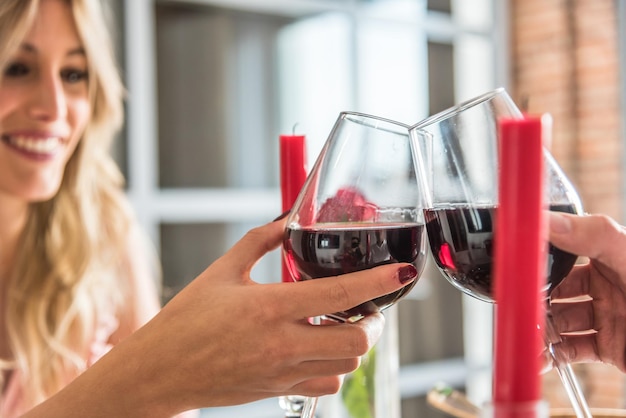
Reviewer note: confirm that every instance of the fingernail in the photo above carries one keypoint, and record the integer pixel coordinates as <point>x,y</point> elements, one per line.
<point>559,223</point>
<point>282,215</point>
<point>407,273</point>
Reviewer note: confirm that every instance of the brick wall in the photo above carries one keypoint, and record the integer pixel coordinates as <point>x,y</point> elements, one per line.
<point>565,61</point>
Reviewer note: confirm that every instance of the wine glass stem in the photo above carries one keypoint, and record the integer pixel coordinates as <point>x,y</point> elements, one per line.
<point>310,402</point>
<point>308,410</point>
<point>292,405</point>
<point>296,406</point>
<point>565,372</point>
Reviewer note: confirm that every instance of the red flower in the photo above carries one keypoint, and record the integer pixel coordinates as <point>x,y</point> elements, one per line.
<point>348,205</point>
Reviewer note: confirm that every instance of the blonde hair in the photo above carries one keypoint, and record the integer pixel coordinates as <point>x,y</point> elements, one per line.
<point>69,268</point>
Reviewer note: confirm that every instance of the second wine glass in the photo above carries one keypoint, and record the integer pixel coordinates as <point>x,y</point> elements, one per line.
<point>359,208</point>
<point>461,180</point>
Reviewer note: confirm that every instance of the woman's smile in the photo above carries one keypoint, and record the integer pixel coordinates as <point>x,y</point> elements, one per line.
<point>36,146</point>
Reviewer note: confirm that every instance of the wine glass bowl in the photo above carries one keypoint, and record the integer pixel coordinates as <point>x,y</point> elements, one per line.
<point>460,180</point>
<point>359,208</point>
<point>461,184</point>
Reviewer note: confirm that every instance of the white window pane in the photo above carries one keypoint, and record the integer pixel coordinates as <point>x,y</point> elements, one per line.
<point>392,70</point>
<point>315,76</point>
<point>475,66</point>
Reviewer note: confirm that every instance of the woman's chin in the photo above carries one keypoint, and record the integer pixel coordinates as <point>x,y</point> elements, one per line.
<point>42,193</point>
<point>45,196</point>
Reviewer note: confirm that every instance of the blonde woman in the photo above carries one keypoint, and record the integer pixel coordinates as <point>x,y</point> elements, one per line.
<point>73,278</point>
<point>75,275</point>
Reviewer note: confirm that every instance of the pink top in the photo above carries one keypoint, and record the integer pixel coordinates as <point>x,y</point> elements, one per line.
<point>12,400</point>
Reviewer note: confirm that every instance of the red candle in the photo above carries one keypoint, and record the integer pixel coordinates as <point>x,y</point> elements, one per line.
<point>519,266</point>
<point>293,173</point>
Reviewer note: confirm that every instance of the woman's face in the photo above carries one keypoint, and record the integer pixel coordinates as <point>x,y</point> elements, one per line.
<point>44,105</point>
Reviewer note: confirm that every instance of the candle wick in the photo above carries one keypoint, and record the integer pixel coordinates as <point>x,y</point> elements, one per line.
<point>293,130</point>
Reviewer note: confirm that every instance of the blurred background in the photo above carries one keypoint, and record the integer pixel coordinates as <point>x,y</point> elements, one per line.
<point>213,83</point>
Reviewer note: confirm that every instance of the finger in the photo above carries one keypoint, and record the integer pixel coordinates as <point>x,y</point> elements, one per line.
<point>594,236</point>
<point>547,362</point>
<point>573,317</point>
<point>324,368</point>
<point>255,244</point>
<point>334,294</point>
<point>343,340</point>
<point>318,387</point>
<point>575,285</point>
<point>287,379</point>
<point>579,349</point>
<point>335,341</point>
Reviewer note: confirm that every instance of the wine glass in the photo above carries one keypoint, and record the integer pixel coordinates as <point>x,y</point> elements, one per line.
<point>359,208</point>
<point>460,176</point>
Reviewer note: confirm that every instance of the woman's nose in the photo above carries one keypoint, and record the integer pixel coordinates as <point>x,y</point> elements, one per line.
<point>48,101</point>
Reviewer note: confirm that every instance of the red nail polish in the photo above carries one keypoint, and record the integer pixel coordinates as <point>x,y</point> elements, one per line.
<point>407,273</point>
<point>282,215</point>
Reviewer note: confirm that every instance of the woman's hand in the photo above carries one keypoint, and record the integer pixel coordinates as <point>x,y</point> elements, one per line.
<point>593,321</point>
<point>225,340</point>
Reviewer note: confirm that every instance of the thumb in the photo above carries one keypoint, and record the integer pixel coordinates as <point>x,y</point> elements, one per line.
<point>595,236</point>
<point>255,244</point>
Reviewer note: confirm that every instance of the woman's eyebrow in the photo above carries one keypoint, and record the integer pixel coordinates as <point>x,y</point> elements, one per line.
<point>26,47</point>
<point>32,49</point>
<point>77,51</point>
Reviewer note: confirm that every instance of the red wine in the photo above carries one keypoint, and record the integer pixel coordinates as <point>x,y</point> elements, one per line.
<point>462,244</point>
<point>333,249</point>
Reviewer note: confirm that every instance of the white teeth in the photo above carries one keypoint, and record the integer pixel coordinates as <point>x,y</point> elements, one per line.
<point>36,145</point>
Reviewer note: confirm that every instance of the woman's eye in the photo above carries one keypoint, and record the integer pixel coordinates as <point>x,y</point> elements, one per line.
<point>74,76</point>
<point>16,70</point>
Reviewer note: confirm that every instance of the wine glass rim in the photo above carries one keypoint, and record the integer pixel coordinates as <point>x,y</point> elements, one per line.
<point>366,116</point>
<point>451,111</point>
